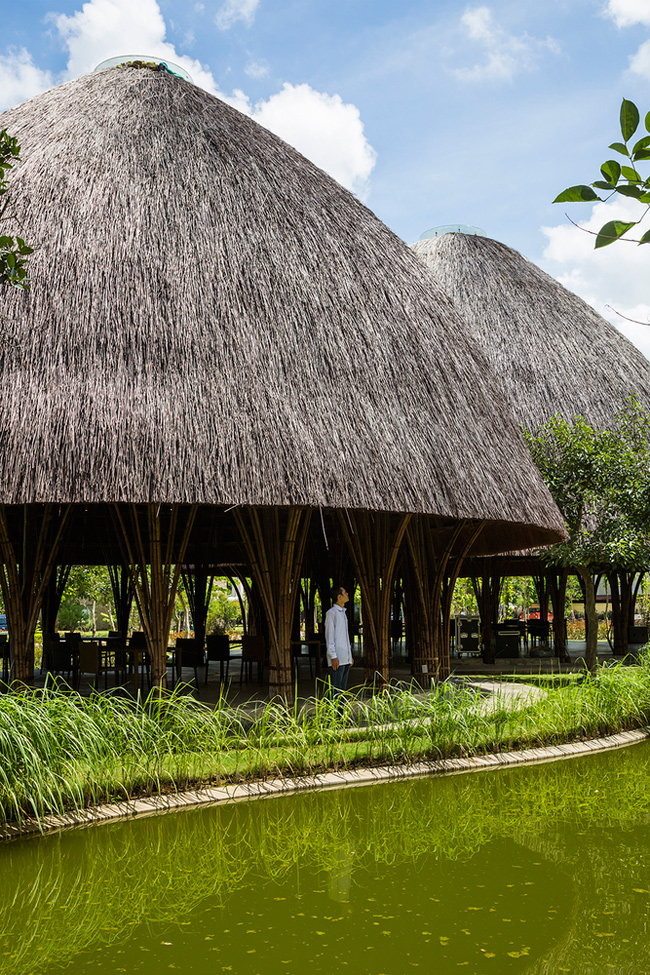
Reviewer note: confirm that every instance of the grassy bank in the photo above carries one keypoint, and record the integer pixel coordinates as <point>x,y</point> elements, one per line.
<point>59,751</point>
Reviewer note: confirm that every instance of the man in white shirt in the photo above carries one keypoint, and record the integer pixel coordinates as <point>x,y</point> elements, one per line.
<point>337,641</point>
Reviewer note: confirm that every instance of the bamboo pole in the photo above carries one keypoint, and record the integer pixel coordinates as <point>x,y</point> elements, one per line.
<point>275,552</point>
<point>24,581</point>
<point>374,542</point>
<point>155,571</point>
<point>455,563</point>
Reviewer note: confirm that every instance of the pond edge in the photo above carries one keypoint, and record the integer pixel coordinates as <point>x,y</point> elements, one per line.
<point>154,805</point>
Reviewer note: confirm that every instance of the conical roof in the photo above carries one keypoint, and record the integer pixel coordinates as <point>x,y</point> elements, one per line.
<point>214,320</point>
<point>552,352</point>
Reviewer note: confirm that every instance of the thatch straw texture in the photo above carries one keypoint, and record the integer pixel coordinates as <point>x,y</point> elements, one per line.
<point>214,320</point>
<point>551,351</point>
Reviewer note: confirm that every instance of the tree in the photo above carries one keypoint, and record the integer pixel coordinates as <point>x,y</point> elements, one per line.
<point>619,178</point>
<point>600,481</point>
<point>86,586</point>
<point>13,250</point>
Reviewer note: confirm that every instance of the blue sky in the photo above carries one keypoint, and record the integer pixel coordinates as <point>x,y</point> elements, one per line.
<point>432,112</point>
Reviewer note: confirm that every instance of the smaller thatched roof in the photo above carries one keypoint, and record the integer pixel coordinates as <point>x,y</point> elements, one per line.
<point>552,352</point>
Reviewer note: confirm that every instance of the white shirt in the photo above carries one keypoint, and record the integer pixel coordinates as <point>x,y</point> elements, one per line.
<point>337,636</point>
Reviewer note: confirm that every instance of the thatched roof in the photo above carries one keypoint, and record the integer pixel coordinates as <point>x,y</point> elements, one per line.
<point>552,352</point>
<point>214,320</point>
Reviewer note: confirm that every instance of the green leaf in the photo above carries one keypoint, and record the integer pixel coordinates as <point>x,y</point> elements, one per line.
<point>647,121</point>
<point>612,231</point>
<point>642,154</point>
<point>602,185</point>
<point>629,119</point>
<point>646,237</point>
<point>630,174</point>
<point>642,143</point>
<point>611,170</point>
<point>621,147</point>
<point>577,194</point>
<point>626,190</point>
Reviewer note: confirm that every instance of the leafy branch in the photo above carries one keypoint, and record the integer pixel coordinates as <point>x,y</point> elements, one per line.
<point>619,178</point>
<point>13,250</point>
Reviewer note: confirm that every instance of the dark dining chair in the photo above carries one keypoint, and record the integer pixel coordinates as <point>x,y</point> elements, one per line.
<point>57,656</point>
<point>90,662</point>
<point>137,655</point>
<point>188,654</point>
<point>217,647</point>
<point>5,656</point>
<point>253,651</point>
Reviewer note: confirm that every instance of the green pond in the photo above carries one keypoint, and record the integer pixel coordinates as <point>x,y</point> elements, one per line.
<point>541,869</point>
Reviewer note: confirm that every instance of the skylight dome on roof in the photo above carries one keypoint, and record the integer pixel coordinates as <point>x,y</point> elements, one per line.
<point>452,228</point>
<point>145,59</point>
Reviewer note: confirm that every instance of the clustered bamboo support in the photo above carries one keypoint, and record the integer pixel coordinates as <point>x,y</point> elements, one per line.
<point>53,596</point>
<point>275,546</point>
<point>556,587</point>
<point>454,566</point>
<point>24,577</point>
<point>432,593</point>
<point>155,561</point>
<point>374,541</point>
<point>487,591</point>
<point>198,583</point>
<point>123,594</point>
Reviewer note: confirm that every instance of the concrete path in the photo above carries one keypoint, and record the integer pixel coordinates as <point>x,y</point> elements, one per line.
<point>497,694</point>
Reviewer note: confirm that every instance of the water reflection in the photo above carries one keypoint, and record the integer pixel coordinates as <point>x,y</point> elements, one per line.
<point>539,870</point>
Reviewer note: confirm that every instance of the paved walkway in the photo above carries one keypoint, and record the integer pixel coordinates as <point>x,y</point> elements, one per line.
<point>507,694</point>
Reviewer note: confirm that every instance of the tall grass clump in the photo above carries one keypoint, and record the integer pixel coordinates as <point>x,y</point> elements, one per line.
<point>60,751</point>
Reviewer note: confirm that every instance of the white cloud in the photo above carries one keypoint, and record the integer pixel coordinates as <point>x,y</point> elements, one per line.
<point>503,55</point>
<point>233,10</point>
<point>640,62</point>
<point>626,13</point>
<point>629,13</point>
<point>257,69</point>
<point>108,28</point>
<point>612,279</point>
<point>20,78</point>
<point>323,128</point>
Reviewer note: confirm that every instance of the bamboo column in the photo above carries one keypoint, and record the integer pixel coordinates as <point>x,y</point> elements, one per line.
<point>198,588</point>
<point>275,545</point>
<point>557,583</point>
<point>374,541</point>
<point>25,575</point>
<point>541,588</point>
<point>621,584</point>
<point>454,566</point>
<point>487,589</point>
<point>122,589</point>
<point>198,580</point>
<point>428,572</point>
<point>236,582</point>
<point>53,595</point>
<point>154,552</point>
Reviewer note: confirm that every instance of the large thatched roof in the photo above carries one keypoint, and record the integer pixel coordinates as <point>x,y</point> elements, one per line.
<point>212,319</point>
<point>552,352</point>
